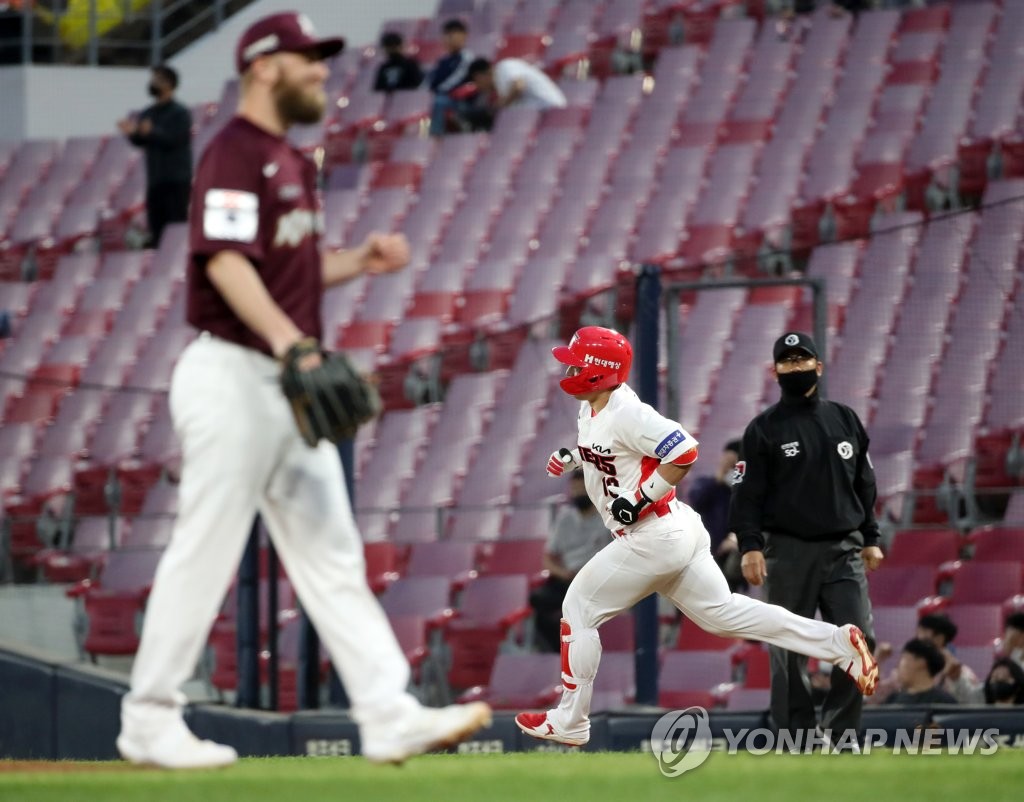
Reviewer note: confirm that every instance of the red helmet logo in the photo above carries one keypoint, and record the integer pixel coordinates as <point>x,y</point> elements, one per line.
<point>602,355</point>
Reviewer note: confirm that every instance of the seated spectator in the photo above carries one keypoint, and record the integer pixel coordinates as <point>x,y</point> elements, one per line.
<point>920,663</point>
<point>1004,685</point>
<point>398,71</point>
<point>514,81</point>
<point>958,680</point>
<point>578,534</point>
<point>451,72</point>
<point>709,496</point>
<point>1012,644</point>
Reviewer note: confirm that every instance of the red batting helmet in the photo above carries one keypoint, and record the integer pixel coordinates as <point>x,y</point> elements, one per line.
<point>602,355</point>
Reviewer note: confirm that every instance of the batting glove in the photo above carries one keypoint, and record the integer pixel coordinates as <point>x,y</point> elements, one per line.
<point>562,460</point>
<point>626,508</point>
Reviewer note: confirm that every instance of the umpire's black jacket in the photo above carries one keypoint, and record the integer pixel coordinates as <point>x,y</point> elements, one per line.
<point>805,472</point>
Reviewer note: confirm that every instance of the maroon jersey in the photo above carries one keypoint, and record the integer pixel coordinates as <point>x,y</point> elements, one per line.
<point>255,194</point>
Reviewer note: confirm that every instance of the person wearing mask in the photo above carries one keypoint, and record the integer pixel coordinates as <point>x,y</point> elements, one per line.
<point>803,513</point>
<point>398,71</point>
<point>578,534</point>
<point>164,131</point>
<point>1004,685</point>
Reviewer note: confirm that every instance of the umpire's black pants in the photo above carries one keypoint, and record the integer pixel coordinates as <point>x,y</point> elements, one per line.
<point>805,576</point>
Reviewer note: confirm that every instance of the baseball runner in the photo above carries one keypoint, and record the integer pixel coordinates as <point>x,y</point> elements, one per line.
<point>253,432</point>
<point>632,459</point>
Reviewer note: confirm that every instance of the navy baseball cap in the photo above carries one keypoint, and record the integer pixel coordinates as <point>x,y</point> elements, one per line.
<point>794,341</point>
<point>289,31</point>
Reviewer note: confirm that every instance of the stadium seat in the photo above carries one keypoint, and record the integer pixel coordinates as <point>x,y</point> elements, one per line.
<point>900,585</point>
<point>894,625</point>
<point>91,542</point>
<point>488,611</point>
<point>683,673</point>
<point>617,634</point>
<point>428,597</point>
<point>998,544</point>
<point>923,547</point>
<point>978,624</point>
<point>114,604</point>
<point>753,665</point>
<point>986,583</point>
<point>615,683</point>
<point>451,559</point>
<point>382,565</point>
<point>520,682</point>
<point>692,638</point>
<point>516,558</point>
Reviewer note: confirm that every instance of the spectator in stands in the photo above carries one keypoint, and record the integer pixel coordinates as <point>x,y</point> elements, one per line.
<point>514,81</point>
<point>164,131</point>
<point>578,534</point>
<point>710,496</point>
<point>451,72</point>
<point>398,71</point>
<point>920,663</point>
<point>1012,645</point>
<point>1004,685</point>
<point>956,679</point>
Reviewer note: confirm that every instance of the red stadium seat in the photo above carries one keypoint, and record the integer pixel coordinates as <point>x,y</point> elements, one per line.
<point>520,682</point>
<point>689,672</point>
<point>923,547</point>
<point>692,638</point>
<point>986,583</point>
<point>489,609</point>
<point>899,585</point>
<point>115,603</point>
<point>382,565</point>
<point>998,544</point>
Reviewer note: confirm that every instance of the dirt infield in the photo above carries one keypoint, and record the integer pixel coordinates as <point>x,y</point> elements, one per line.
<point>58,766</point>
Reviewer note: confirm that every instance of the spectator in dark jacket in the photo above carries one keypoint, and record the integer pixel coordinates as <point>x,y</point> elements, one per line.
<point>164,131</point>
<point>920,663</point>
<point>398,71</point>
<point>451,72</point>
<point>709,497</point>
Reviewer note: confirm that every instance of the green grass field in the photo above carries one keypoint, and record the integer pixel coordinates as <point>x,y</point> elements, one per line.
<point>575,777</point>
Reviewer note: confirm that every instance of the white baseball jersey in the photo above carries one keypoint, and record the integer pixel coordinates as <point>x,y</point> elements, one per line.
<point>623,444</point>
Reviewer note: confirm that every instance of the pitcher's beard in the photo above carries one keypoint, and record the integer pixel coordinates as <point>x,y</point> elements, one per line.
<point>297,106</point>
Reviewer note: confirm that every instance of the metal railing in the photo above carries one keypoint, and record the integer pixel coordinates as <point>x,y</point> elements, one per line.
<point>106,32</point>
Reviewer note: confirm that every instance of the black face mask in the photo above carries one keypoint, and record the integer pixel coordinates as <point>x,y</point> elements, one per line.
<point>582,503</point>
<point>795,385</point>
<point>1003,690</point>
<point>154,90</point>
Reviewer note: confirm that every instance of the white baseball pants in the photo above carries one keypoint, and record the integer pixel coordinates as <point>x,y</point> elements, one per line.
<point>671,556</point>
<point>241,454</point>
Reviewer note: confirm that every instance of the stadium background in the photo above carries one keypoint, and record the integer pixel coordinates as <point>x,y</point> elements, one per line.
<point>708,149</point>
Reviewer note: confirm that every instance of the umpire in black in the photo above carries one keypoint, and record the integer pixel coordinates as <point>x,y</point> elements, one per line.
<point>803,510</point>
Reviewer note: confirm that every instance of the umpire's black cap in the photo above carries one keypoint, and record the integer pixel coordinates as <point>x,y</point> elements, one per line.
<point>794,341</point>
